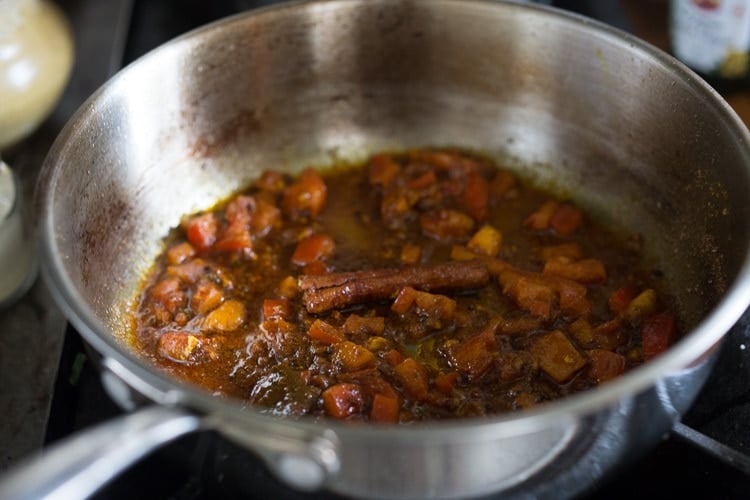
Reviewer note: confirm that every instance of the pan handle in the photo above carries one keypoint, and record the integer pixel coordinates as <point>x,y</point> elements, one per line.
<point>78,466</point>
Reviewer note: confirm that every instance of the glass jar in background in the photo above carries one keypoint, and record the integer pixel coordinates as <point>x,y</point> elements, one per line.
<point>36,58</point>
<point>713,38</point>
<point>18,267</point>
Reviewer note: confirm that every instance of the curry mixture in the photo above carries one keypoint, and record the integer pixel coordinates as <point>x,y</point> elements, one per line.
<point>422,285</point>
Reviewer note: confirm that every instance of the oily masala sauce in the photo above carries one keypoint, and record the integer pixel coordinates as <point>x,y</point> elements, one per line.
<point>422,285</point>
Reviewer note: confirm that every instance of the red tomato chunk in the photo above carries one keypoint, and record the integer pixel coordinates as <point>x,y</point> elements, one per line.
<point>657,334</point>
<point>343,400</point>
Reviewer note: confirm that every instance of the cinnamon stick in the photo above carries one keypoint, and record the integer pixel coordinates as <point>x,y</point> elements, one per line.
<point>336,290</point>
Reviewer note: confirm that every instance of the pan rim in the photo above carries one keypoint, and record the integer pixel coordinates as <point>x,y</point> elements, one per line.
<point>706,335</point>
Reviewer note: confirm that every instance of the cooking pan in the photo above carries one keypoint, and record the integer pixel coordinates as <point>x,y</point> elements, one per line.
<point>568,103</point>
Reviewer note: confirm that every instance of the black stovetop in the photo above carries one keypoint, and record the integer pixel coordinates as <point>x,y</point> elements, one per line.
<point>191,467</point>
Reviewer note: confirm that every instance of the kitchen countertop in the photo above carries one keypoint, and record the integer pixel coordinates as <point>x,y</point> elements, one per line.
<point>32,330</point>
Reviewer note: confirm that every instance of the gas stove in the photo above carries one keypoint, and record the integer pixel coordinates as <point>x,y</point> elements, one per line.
<point>707,455</point>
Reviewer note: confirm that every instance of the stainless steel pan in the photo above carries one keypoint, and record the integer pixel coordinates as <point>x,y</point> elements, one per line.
<point>569,103</point>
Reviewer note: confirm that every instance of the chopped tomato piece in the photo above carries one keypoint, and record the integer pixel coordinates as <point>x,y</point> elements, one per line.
<point>541,294</point>
<point>169,293</point>
<point>532,294</point>
<point>620,298</point>
<point>236,238</point>
<point>446,382</point>
<point>657,334</point>
<point>352,356</point>
<point>382,170</point>
<point>239,210</point>
<point>573,301</point>
<point>557,356</point>
<point>446,224</point>
<point>227,317</point>
<point>325,332</point>
<point>180,253</point>
<point>475,355</point>
<point>540,219</point>
<point>201,231</point>
<point>475,196</point>
<point>566,219</point>
<point>265,218</point>
<point>610,335</point>
<point>588,271</point>
<point>393,357</point>
<point>306,196</point>
<point>183,347</point>
<point>384,409</point>
<point>312,248</point>
<point>315,268</point>
<point>404,300</point>
<point>439,308</point>
<point>605,365</point>
<point>207,296</point>
<point>413,376</point>
<point>541,308</point>
<point>343,400</point>
<point>276,308</point>
<point>486,241</point>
